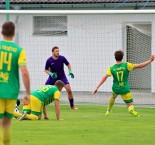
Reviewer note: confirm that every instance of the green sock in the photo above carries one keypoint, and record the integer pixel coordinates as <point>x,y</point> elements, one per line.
<point>131,107</point>
<point>6,136</point>
<point>1,136</point>
<point>111,103</point>
<point>31,117</point>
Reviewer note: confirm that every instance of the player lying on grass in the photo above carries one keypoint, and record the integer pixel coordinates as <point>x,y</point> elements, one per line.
<point>54,67</point>
<point>39,98</point>
<point>120,72</point>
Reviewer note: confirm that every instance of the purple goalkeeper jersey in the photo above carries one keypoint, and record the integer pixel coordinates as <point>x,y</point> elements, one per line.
<point>57,66</point>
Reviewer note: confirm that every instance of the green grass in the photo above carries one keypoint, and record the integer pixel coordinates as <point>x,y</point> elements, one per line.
<point>88,126</point>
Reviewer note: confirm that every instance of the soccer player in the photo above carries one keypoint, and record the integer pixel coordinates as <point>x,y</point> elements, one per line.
<point>39,98</point>
<point>12,57</point>
<point>55,69</point>
<point>120,72</point>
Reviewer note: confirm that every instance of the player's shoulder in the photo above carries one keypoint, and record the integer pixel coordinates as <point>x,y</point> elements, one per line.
<point>50,58</point>
<point>61,57</point>
<point>12,44</point>
<point>128,63</point>
<point>111,66</point>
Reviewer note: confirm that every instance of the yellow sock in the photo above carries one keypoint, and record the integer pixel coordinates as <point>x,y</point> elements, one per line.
<point>6,136</point>
<point>111,103</point>
<point>17,114</point>
<point>1,136</point>
<point>31,117</point>
<point>131,107</point>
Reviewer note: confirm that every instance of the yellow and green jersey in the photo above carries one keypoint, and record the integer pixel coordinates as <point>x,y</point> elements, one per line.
<point>11,57</point>
<point>120,73</point>
<point>47,94</point>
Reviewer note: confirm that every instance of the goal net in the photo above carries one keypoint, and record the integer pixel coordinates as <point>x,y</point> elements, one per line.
<point>88,40</point>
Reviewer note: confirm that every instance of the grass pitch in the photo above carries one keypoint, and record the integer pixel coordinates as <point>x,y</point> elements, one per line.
<point>88,126</point>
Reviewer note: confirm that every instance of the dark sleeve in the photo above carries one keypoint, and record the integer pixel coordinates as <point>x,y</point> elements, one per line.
<point>47,65</point>
<point>66,61</point>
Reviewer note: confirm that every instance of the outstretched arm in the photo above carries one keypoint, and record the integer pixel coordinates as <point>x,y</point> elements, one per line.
<point>141,65</point>
<point>104,78</point>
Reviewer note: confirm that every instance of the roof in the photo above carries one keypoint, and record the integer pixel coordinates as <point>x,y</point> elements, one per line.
<point>72,1</point>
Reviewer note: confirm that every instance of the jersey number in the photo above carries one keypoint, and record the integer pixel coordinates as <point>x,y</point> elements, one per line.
<point>5,58</point>
<point>120,75</point>
<point>44,89</point>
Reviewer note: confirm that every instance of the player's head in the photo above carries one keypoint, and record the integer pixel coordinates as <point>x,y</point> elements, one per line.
<point>8,29</point>
<point>59,84</point>
<point>55,51</point>
<point>119,55</point>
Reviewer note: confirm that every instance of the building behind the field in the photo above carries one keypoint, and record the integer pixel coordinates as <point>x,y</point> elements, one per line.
<point>88,42</point>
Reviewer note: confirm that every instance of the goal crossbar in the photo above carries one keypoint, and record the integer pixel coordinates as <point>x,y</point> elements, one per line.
<point>74,12</point>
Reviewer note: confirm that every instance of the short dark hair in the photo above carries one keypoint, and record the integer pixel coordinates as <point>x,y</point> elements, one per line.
<point>59,84</point>
<point>119,55</point>
<point>55,47</point>
<point>8,29</point>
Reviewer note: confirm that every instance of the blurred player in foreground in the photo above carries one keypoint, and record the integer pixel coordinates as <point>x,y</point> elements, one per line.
<point>55,69</point>
<point>12,57</point>
<point>120,72</point>
<point>39,98</point>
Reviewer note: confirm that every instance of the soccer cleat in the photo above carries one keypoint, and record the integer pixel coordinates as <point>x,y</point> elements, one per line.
<point>107,113</point>
<point>134,113</point>
<point>23,117</point>
<point>74,108</point>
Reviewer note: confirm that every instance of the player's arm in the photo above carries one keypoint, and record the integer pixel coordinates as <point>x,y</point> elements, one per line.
<point>70,71</point>
<point>69,68</point>
<point>141,65</point>
<point>57,109</point>
<point>47,71</point>
<point>57,104</point>
<point>25,75</point>
<point>103,79</point>
<point>45,113</point>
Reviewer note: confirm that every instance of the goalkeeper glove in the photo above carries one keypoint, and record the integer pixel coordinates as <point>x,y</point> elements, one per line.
<point>71,74</point>
<point>53,75</point>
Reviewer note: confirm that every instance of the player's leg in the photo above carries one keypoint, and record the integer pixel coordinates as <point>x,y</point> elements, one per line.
<point>2,110</point>
<point>128,99</point>
<point>6,121</point>
<point>36,109</point>
<point>69,91</point>
<point>70,96</point>
<point>110,104</point>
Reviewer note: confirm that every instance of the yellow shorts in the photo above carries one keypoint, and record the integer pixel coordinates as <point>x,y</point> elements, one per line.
<point>7,108</point>
<point>34,107</point>
<point>127,98</point>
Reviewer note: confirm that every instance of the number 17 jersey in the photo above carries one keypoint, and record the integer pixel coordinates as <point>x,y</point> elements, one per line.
<point>120,73</point>
<point>11,57</point>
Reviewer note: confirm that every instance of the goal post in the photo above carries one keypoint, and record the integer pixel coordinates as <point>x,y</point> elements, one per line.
<point>88,39</point>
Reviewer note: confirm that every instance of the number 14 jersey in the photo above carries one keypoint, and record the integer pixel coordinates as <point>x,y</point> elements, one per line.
<point>11,57</point>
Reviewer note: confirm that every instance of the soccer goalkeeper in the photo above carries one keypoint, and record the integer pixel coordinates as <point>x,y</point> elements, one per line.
<point>54,67</point>
<point>120,72</point>
<point>39,98</point>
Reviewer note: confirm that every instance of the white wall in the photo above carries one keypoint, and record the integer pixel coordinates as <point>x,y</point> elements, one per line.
<point>89,47</point>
